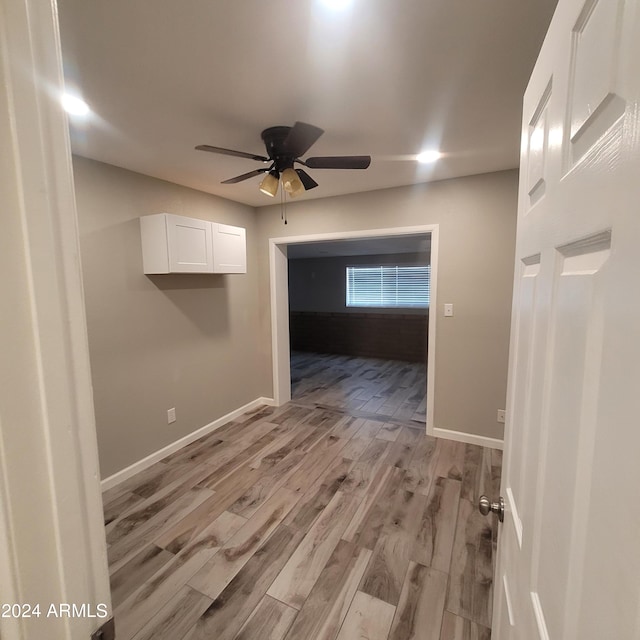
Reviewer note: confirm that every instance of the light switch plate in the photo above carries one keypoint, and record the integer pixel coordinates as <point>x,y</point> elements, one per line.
<point>448,310</point>
<point>171,415</point>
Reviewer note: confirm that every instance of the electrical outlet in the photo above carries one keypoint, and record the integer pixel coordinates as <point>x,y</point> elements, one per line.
<point>501,416</point>
<point>171,415</point>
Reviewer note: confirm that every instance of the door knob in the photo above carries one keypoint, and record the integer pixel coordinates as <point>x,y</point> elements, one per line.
<point>485,506</point>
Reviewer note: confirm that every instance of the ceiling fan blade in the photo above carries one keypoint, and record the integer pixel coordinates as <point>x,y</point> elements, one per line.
<point>245,176</point>
<point>300,138</point>
<point>307,181</point>
<point>339,162</point>
<point>231,152</point>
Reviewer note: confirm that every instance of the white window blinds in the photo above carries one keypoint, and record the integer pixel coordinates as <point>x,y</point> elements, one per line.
<point>388,286</point>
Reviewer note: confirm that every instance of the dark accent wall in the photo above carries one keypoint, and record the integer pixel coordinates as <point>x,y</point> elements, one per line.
<point>320,284</point>
<point>373,335</point>
<point>321,322</point>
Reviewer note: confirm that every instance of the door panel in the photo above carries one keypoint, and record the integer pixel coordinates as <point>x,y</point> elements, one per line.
<point>568,566</point>
<point>538,147</point>
<point>229,249</point>
<point>608,600</point>
<point>522,399</point>
<point>595,103</point>
<point>190,245</point>
<point>575,349</point>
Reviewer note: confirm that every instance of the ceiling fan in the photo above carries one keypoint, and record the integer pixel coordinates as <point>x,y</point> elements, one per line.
<point>284,147</point>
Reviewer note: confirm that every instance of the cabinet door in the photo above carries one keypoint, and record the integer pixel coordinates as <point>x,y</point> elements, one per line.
<point>229,249</point>
<point>190,245</point>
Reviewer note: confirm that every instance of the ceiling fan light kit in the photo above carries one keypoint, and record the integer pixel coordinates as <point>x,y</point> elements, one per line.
<point>291,183</point>
<point>285,146</point>
<point>269,184</point>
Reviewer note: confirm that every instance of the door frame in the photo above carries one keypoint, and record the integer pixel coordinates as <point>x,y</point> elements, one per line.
<point>279,297</point>
<point>52,539</point>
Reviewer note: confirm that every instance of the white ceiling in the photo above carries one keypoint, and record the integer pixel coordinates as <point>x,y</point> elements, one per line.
<point>387,78</point>
<point>420,243</point>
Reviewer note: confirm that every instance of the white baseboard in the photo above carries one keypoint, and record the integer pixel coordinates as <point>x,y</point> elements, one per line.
<point>136,467</point>
<point>469,438</point>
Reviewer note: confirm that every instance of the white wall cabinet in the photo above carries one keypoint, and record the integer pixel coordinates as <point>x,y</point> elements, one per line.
<point>178,244</point>
<point>229,249</point>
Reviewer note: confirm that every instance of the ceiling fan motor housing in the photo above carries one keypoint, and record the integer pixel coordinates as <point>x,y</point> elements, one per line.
<point>274,138</point>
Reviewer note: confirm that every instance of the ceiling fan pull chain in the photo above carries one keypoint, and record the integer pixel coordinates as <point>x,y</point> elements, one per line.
<point>284,195</point>
<point>283,206</point>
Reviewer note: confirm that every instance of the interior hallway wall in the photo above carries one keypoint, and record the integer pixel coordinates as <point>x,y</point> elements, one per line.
<point>187,341</point>
<point>477,220</point>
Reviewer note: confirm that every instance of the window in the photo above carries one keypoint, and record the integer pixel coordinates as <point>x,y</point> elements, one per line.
<point>388,286</point>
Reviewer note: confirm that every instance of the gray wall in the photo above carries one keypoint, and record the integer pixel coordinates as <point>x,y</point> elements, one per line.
<point>202,343</point>
<point>477,218</point>
<point>319,284</point>
<point>185,341</point>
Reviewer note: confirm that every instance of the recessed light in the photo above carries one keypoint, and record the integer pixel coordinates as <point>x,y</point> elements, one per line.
<point>74,106</point>
<point>428,156</point>
<point>336,5</point>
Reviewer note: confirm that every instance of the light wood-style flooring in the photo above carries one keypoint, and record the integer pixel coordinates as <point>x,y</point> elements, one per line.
<point>313,520</point>
<point>386,387</point>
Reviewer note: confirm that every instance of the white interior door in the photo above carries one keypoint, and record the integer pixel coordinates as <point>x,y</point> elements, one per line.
<point>569,559</point>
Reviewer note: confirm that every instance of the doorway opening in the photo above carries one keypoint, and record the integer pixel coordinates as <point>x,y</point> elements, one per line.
<point>314,311</point>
